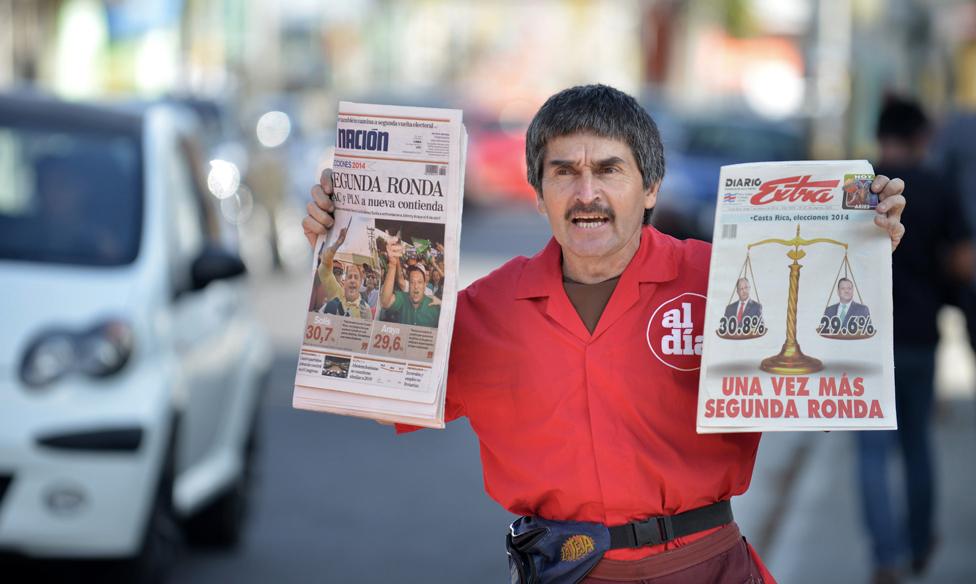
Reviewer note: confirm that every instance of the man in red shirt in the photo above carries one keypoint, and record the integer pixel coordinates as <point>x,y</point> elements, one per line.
<point>581,393</point>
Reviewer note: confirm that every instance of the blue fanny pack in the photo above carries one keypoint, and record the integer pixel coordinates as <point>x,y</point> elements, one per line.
<point>542,551</point>
<point>554,552</point>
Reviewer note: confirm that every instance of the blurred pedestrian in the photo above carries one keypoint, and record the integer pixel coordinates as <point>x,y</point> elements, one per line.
<point>955,154</point>
<point>938,254</point>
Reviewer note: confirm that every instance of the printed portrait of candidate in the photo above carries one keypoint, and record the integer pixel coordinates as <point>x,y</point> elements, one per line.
<point>413,306</point>
<point>744,307</point>
<point>342,287</point>
<point>846,308</point>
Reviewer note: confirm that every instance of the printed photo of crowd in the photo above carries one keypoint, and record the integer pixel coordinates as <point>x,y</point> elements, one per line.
<point>392,271</point>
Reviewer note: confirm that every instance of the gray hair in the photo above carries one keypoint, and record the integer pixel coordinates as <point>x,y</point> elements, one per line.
<point>600,110</point>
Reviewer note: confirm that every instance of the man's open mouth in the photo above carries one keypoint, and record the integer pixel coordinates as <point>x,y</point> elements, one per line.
<point>589,221</point>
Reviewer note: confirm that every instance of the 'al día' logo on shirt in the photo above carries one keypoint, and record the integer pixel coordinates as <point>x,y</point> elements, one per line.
<point>674,331</point>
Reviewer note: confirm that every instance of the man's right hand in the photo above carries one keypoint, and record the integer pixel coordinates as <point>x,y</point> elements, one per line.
<point>320,209</point>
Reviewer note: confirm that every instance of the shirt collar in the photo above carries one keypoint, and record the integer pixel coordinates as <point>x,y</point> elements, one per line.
<point>655,261</point>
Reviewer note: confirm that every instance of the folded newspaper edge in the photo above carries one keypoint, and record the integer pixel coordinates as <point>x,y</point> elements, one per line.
<point>774,354</point>
<point>378,333</point>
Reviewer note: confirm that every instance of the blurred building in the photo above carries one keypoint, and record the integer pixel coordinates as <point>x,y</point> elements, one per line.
<point>827,62</point>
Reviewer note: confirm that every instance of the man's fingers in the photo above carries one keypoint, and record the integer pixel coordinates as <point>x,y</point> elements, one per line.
<point>890,207</point>
<point>893,187</point>
<point>319,215</point>
<point>325,181</point>
<point>313,229</point>
<point>312,226</point>
<point>319,220</point>
<point>879,182</point>
<point>893,206</point>
<point>321,199</point>
<point>896,232</point>
<point>894,227</point>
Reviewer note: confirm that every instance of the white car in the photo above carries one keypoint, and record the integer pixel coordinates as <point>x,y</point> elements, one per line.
<point>131,367</point>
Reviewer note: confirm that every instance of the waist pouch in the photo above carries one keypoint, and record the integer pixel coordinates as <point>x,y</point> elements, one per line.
<point>543,551</point>
<point>554,552</point>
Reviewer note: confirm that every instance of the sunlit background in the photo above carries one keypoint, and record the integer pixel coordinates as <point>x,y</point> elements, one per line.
<point>253,86</point>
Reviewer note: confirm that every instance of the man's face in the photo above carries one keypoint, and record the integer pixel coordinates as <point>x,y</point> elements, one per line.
<point>352,282</point>
<point>593,195</point>
<point>845,290</point>
<point>743,289</point>
<point>418,283</point>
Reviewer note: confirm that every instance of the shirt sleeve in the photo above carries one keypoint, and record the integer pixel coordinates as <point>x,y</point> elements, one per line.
<point>328,279</point>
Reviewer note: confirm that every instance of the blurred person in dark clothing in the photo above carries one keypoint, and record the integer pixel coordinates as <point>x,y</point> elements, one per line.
<point>937,255</point>
<point>955,154</point>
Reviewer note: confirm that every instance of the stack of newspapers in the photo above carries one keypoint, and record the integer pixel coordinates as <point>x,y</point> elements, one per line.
<point>798,326</point>
<point>384,279</point>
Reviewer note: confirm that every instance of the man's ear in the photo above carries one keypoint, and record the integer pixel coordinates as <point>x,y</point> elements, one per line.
<point>650,195</point>
<point>540,205</point>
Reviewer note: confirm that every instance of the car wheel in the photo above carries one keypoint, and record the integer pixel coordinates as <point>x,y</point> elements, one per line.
<point>162,541</point>
<point>161,547</point>
<point>221,523</point>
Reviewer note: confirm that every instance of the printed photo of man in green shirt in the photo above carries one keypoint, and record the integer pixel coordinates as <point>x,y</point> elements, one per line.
<point>414,307</point>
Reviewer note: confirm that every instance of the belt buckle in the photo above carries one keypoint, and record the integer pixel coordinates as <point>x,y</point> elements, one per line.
<point>653,530</point>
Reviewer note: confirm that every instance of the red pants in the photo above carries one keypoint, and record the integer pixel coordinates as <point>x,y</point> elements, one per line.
<point>723,557</point>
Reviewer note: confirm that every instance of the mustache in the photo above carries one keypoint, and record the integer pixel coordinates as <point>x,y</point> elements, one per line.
<point>590,208</point>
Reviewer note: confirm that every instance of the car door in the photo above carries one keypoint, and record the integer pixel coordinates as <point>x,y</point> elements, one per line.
<point>209,340</point>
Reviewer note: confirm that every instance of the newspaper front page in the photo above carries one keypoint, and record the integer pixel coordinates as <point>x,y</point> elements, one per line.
<point>384,280</point>
<point>798,325</point>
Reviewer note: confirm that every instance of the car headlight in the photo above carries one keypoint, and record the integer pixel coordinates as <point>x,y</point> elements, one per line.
<point>100,351</point>
<point>48,359</point>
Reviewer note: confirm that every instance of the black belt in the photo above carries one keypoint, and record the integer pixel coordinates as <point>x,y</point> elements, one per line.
<point>658,530</point>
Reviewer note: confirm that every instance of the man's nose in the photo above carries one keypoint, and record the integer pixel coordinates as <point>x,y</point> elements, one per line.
<point>586,188</point>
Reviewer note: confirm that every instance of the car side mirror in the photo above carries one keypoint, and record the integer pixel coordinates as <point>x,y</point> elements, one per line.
<point>215,263</point>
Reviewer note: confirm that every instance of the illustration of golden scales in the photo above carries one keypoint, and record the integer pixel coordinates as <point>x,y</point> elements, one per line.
<point>791,360</point>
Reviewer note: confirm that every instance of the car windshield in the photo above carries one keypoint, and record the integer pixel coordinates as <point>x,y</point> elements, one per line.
<point>69,194</point>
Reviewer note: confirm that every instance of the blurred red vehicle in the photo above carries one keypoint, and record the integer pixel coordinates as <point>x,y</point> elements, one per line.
<point>495,172</point>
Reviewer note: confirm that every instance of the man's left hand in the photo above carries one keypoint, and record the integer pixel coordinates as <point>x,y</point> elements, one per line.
<point>890,206</point>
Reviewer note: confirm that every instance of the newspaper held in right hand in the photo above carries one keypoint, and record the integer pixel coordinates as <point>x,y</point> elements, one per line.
<point>376,337</point>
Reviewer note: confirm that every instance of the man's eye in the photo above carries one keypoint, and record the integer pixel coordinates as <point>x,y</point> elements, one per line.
<point>609,170</point>
<point>564,171</point>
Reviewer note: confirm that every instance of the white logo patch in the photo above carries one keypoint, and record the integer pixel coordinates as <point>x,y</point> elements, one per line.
<point>674,331</point>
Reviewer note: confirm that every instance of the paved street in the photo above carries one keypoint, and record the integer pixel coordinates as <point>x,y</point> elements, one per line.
<point>344,500</point>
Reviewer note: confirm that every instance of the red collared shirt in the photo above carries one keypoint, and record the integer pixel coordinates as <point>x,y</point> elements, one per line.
<point>598,427</point>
